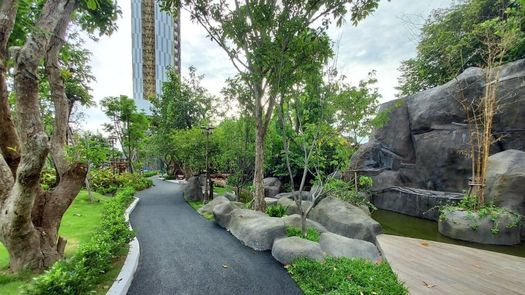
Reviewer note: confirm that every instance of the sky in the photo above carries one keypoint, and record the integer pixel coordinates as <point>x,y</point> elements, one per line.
<point>380,43</point>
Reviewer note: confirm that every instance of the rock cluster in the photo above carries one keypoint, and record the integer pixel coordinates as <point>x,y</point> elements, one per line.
<point>425,142</point>
<point>346,230</point>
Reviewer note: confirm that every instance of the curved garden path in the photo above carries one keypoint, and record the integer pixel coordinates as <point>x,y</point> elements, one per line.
<point>183,253</point>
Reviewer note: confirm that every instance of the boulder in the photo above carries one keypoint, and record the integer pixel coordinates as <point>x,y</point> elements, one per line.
<point>345,219</point>
<point>231,196</point>
<point>222,213</point>
<point>468,226</point>
<point>339,246</point>
<point>282,195</point>
<point>256,229</point>
<point>414,202</point>
<point>208,208</point>
<point>288,249</point>
<point>294,220</point>
<point>291,206</point>
<point>193,190</point>
<point>505,184</point>
<point>270,201</point>
<point>272,186</point>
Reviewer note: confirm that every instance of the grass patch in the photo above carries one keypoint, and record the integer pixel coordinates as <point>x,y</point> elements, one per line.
<point>197,205</point>
<point>345,276</point>
<point>222,190</point>
<point>276,210</point>
<point>311,233</point>
<point>79,224</point>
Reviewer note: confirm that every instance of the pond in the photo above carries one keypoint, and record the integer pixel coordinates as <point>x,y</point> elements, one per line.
<point>407,226</point>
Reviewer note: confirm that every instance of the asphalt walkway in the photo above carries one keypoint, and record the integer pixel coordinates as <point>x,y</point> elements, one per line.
<point>183,253</point>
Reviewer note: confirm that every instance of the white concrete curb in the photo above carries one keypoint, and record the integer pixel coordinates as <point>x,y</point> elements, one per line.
<point>125,277</point>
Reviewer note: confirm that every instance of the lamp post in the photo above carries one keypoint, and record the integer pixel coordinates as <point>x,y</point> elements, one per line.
<point>112,140</point>
<point>207,129</point>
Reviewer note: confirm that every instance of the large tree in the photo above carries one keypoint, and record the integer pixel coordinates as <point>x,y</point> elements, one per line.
<point>268,42</point>
<point>452,40</point>
<point>30,217</point>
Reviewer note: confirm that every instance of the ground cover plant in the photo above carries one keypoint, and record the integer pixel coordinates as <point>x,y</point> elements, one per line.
<point>85,269</point>
<point>311,233</point>
<point>276,210</point>
<point>338,276</point>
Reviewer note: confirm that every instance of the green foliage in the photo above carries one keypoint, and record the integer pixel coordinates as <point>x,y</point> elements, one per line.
<point>83,271</point>
<point>48,179</point>
<point>129,125</point>
<point>476,212</point>
<point>150,173</point>
<point>197,205</point>
<point>345,276</point>
<point>104,181</point>
<point>276,210</point>
<point>456,38</point>
<point>346,191</point>
<point>311,233</point>
<point>92,148</point>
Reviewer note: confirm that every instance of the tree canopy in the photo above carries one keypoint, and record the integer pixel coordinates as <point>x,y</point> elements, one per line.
<point>453,39</point>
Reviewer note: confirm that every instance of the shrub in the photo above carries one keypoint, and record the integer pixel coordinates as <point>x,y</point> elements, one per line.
<point>311,233</point>
<point>150,173</point>
<point>104,181</point>
<point>345,276</point>
<point>276,210</point>
<point>84,270</point>
<point>345,191</point>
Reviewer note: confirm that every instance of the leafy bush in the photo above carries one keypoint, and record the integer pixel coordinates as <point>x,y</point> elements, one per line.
<point>48,179</point>
<point>150,173</point>
<point>84,270</point>
<point>276,210</point>
<point>346,191</point>
<point>345,276</point>
<point>311,233</point>
<point>104,181</point>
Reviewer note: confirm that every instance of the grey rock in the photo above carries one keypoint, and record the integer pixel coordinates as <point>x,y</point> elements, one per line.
<point>291,206</point>
<point>272,186</point>
<point>425,141</point>
<point>256,229</point>
<point>282,195</point>
<point>288,249</point>
<point>505,184</point>
<point>231,196</point>
<point>339,246</point>
<point>270,201</point>
<point>467,226</point>
<point>222,213</point>
<point>208,208</point>
<point>294,220</point>
<point>345,219</point>
<point>414,202</point>
<point>193,190</point>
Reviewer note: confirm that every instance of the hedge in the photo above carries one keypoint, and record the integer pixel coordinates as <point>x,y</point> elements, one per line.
<point>82,272</point>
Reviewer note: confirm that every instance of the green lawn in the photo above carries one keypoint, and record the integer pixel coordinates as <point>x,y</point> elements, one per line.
<point>78,225</point>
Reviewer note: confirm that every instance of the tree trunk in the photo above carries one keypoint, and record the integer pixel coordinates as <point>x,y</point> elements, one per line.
<point>30,217</point>
<point>258,198</point>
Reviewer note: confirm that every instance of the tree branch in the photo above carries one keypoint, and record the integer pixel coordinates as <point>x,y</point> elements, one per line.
<point>58,94</point>
<point>9,145</point>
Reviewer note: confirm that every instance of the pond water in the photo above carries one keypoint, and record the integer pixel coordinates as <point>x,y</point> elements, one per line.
<point>407,226</point>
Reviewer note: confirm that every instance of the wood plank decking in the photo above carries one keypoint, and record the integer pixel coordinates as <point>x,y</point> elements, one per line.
<point>452,269</point>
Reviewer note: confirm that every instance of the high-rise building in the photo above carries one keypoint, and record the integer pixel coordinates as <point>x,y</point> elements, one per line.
<point>155,46</point>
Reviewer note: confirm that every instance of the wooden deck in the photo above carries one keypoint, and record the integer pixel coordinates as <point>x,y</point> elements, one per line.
<point>436,268</point>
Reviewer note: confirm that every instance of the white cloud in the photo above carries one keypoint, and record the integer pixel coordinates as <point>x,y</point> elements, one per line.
<point>379,42</point>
